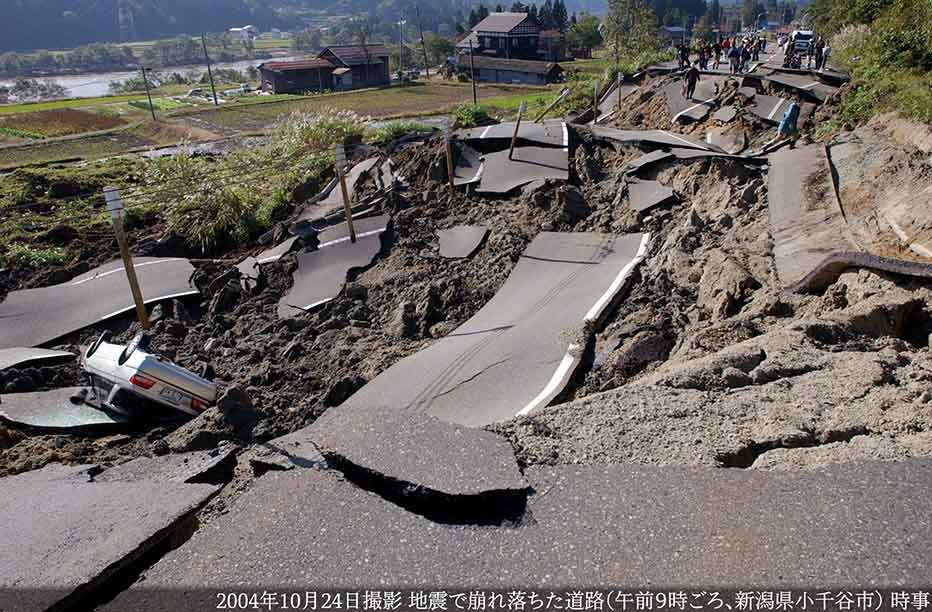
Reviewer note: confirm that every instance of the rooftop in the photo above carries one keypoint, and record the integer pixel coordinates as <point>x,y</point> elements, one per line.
<point>298,64</point>
<point>355,55</point>
<point>516,65</point>
<point>500,22</point>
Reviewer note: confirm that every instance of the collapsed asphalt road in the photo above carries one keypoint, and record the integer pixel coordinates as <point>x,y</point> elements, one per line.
<point>633,308</point>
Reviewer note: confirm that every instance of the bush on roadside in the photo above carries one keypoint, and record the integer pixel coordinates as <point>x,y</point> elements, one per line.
<point>469,115</point>
<point>394,130</point>
<point>31,257</point>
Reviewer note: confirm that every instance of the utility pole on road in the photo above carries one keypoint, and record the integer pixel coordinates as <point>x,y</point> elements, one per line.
<point>210,74</point>
<point>423,46</point>
<point>472,75</point>
<point>115,208</point>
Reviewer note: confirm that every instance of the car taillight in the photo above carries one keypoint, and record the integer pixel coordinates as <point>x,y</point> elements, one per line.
<point>198,405</point>
<point>141,381</point>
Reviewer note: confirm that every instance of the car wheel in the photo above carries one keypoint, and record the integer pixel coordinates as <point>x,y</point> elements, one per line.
<point>100,340</point>
<point>139,340</point>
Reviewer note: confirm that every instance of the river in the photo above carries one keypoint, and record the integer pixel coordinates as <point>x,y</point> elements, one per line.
<point>93,85</point>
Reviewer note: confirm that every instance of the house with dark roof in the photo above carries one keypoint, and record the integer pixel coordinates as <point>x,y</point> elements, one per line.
<point>503,70</point>
<point>334,69</point>
<point>507,48</point>
<point>297,76</point>
<point>358,65</point>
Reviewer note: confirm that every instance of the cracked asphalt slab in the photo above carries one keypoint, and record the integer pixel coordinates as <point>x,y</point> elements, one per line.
<point>12,357</point>
<point>418,456</point>
<point>33,317</point>
<point>501,175</point>
<point>56,410</point>
<point>659,138</point>
<point>667,527</point>
<point>526,332</point>
<point>461,241</point>
<point>321,274</point>
<point>549,132</point>
<point>90,530</point>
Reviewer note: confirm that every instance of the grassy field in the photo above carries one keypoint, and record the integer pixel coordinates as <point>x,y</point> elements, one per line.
<point>60,122</point>
<point>409,101</point>
<point>255,114</point>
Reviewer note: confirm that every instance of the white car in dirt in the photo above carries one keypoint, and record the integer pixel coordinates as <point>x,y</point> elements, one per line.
<point>128,379</point>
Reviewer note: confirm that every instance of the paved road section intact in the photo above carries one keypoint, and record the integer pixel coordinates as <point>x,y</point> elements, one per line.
<point>56,410</point>
<point>63,537</point>
<point>501,175</point>
<point>427,456</point>
<point>321,274</point>
<point>461,241</point>
<point>10,357</point>
<point>644,195</point>
<point>35,316</point>
<point>862,526</point>
<point>549,132</point>
<point>658,138</point>
<point>522,334</point>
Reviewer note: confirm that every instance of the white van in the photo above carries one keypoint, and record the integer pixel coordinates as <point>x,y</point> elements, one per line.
<point>801,39</point>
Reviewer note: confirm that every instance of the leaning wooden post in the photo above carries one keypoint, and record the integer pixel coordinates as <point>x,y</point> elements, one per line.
<point>449,150</point>
<point>115,208</point>
<point>339,156</point>
<point>618,90</point>
<point>595,98</point>
<point>514,137</point>
<point>550,106</point>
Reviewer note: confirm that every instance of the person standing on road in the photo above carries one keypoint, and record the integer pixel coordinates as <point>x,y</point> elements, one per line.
<point>745,57</point>
<point>734,57</point>
<point>819,52</point>
<point>716,55</point>
<point>683,54</point>
<point>826,52</point>
<point>692,78</point>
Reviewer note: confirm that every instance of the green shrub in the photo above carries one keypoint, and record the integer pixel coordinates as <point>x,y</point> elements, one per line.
<point>318,132</point>
<point>394,130</point>
<point>31,257</point>
<point>469,115</point>
<point>17,133</point>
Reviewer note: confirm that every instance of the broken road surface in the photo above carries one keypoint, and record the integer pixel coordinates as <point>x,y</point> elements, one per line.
<point>662,526</point>
<point>35,316</point>
<point>468,377</point>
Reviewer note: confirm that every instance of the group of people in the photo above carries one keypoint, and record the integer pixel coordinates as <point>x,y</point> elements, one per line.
<point>816,51</point>
<point>739,53</point>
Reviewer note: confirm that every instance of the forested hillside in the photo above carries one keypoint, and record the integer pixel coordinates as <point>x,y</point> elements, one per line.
<point>56,24</point>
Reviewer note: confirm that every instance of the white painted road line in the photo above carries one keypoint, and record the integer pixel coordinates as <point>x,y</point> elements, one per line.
<point>566,136</point>
<point>135,266</point>
<point>776,108</point>
<point>691,145</point>
<point>346,238</point>
<point>570,358</point>
<point>693,107</point>
<point>485,132</point>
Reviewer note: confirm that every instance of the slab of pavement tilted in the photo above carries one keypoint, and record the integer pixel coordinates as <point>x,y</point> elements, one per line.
<point>501,175</point>
<point>813,243</point>
<point>549,132</point>
<point>695,109</point>
<point>321,274</point>
<point>410,427</point>
<point>603,526</point>
<point>35,316</point>
<point>657,138</point>
<point>461,241</point>
<point>12,357</point>
<point>65,535</point>
<point>57,410</point>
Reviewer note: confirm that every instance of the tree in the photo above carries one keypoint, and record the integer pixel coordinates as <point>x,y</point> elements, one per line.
<point>499,9</point>
<point>545,15</point>
<point>750,11</point>
<point>631,27</point>
<point>584,34</point>
<point>438,47</point>
<point>559,15</point>
<point>361,29</point>
<point>518,7</point>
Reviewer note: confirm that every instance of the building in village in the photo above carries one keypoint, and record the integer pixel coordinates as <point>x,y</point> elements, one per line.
<point>334,69</point>
<point>249,32</point>
<point>510,48</point>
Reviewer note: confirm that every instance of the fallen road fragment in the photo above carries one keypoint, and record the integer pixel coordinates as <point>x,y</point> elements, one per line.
<point>561,286</point>
<point>644,195</point>
<point>501,174</point>
<point>57,410</point>
<point>550,132</point>
<point>11,357</point>
<point>35,316</point>
<point>461,241</point>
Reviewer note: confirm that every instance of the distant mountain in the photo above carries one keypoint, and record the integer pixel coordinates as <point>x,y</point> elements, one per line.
<point>56,24</point>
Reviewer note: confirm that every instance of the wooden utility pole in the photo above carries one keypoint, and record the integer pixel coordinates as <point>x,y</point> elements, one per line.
<point>514,136</point>
<point>449,148</point>
<point>210,74</point>
<point>618,91</point>
<point>417,10</point>
<point>145,79</point>
<point>115,208</point>
<point>339,155</point>
<point>472,74</point>
<point>595,98</point>
<point>560,98</point>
